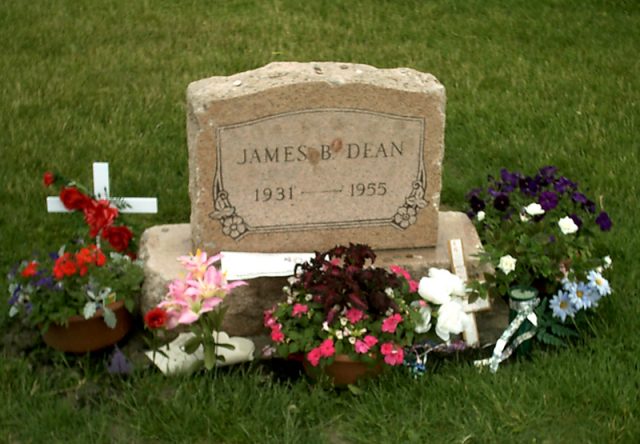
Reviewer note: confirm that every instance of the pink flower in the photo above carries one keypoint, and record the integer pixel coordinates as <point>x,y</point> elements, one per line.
<point>268,318</point>
<point>276,333</point>
<point>370,340</point>
<point>213,283</point>
<point>314,356</point>
<point>198,263</point>
<point>326,348</point>
<point>177,287</point>
<point>299,310</point>
<point>393,354</point>
<point>361,347</point>
<point>413,285</point>
<point>390,324</point>
<point>354,315</point>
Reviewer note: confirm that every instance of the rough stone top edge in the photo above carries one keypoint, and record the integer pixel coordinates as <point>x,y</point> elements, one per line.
<point>279,74</point>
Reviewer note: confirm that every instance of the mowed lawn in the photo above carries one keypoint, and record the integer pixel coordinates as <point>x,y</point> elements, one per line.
<point>528,84</point>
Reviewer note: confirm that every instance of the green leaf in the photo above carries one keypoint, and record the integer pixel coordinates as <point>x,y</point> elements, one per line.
<point>109,317</point>
<point>191,345</point>
<point>563,331</point>
<point>226,345</point>
<point>209,357</point>
<point>89,310</point>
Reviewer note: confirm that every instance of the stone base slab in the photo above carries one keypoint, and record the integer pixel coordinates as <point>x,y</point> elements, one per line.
<point>162,244</point>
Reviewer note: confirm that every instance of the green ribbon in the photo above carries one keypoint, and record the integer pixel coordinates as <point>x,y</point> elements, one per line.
<point>525,311</point>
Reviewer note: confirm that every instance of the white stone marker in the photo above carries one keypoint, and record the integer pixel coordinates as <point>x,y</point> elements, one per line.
<point>471,336</point>
<point>101,191</point>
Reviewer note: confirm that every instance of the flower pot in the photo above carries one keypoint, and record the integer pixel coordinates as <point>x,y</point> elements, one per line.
<point>344,370</point>
<point>85,335</point>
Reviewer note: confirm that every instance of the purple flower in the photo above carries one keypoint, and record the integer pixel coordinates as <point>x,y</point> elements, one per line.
<point>501,202</point>
<point>119,364</point>
<point>579,198</point>
<point>563,184</point>
<point>576,219</point>
<point>552,239</point>
<point>546,175</point>
<point>590,206</point>
<point>476,203</point>
<point>46,281</point>
<point>15,295</point>
<point>509,180</point>
<point>548,200</point>
<point>604,221</point>
<point>528,186</point>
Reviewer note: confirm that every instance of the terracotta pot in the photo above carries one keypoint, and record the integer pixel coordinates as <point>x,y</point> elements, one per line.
<point>85,335</point>
<point>344,370</point>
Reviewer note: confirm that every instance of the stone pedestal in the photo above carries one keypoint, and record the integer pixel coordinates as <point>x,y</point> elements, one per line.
<point>162,244</point>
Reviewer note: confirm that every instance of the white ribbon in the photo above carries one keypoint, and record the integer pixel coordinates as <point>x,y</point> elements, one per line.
<point>525,310</point>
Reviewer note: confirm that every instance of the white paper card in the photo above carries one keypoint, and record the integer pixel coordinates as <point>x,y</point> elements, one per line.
<point>239,265</point>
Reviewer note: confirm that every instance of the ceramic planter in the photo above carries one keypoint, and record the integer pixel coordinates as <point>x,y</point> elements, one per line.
<point>344,370</point>
<point>85,335</point>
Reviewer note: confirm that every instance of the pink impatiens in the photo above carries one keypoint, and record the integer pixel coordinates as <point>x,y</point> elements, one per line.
<point>393,354</point>
<point>299,310</point>
<point>390,324</point>
<point>324,350</point>
<point>354,315</point>
<point>363,346</point>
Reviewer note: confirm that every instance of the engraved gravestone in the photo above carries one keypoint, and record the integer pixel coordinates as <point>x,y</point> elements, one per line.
<point>304,156</point>
<point>300,157</point>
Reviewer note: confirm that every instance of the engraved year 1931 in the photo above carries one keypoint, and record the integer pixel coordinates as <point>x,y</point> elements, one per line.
<point>267,194</point>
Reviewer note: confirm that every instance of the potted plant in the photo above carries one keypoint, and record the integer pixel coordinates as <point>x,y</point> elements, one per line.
<point>196,301</point>
<point>540,236</point>
<point>81,294</point>
<point>345,316</point>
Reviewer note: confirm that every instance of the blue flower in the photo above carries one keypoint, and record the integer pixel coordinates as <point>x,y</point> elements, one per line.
<point>562,306</point>
<point>599,283</point>
<point>580,296</point>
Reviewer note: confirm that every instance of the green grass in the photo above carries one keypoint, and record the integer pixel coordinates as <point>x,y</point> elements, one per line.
<point>528,84</point>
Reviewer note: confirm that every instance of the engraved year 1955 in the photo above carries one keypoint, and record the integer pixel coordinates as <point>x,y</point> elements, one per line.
<point>368,189</point>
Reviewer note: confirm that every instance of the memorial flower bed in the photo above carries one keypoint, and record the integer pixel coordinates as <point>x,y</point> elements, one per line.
<point>540,234</point>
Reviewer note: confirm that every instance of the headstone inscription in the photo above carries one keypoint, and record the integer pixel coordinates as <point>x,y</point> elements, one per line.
<point>304,156</point>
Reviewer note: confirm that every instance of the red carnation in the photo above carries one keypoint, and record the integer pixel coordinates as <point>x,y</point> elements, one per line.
<point>73,199</point>
<point>99,214</point>
<point>155,318</point>
<point>118,237</point>
<point>48,178</point>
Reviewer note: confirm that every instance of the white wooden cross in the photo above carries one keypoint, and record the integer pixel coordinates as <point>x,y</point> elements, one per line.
<point>101,191</point>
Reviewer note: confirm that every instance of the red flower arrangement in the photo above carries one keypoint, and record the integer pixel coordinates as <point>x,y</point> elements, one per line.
<point>99,214</point>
